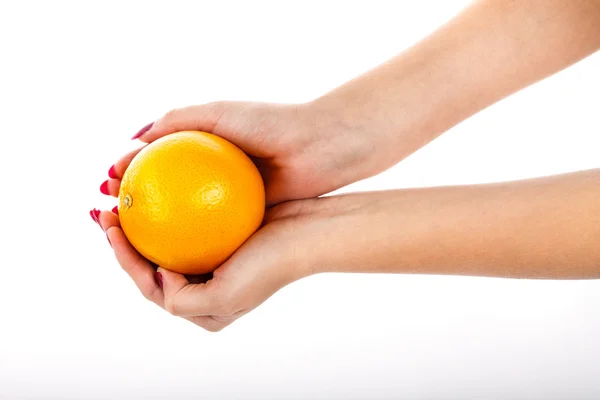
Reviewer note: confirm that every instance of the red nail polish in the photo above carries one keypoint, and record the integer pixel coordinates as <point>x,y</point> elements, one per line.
<point>107,238</point>
<point>111,173</point>
<point>115,210</point>
<point>97,215</point>
<point>93,215</point>
<point>159,279</point>
<point>142,131</point>
<point>104,188</point>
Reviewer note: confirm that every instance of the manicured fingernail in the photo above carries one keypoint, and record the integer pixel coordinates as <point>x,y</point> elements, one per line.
<point>104,188</point>
<point>111,173</point>
<point>97,215</point>
<point>93,215</point>
<point>142,131</point>
<point>159,279</point>
<point>115,210</point>
<point>107,238</point>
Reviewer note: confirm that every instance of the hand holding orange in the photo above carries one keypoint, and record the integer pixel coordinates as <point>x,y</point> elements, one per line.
<point>189,200</point>
<point>194,198</point>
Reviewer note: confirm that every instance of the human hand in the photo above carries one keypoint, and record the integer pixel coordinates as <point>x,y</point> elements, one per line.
<point>302,151</point>
<point>288,247</point>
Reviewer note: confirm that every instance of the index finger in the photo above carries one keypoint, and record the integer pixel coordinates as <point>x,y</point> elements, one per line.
<point>137,267</point>
<point>118,169</point>
<point>202,117</point>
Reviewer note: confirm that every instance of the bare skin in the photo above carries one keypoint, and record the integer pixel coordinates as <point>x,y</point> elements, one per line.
<point>540,228</point>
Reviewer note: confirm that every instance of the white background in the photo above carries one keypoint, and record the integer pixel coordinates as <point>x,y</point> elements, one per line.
<point>78,79</point>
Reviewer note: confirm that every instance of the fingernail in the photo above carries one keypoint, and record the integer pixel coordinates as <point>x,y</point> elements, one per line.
<point>115,210</point>
<point>107,238</point>
<point>142,131</point>
<point>111,173</point>
<point>104,188</point>
<point>97,215</point>
<point>159,279</point>
<point>93,215</point>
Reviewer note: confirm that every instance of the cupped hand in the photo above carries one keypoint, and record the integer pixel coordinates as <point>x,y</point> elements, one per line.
<point>288,247</point>
<point>301,150</point>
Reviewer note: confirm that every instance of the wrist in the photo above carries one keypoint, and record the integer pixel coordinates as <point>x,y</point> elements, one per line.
<point>356,135</point>
<point>395,114</point>
<point>333,234</point>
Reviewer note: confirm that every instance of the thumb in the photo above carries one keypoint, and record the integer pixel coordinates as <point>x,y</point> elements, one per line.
<point>200,117</point>
<point>184,299</point>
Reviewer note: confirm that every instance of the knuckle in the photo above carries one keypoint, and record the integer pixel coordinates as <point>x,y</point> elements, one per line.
<point>221,308</point>
<point>226,311</point>
<point>218,108</point>
<point>149,293</point>
<point>146,295</point>
<point>171,116</point>
<point>216,308</point>
<point>223,305</point>
<point>171,306</point>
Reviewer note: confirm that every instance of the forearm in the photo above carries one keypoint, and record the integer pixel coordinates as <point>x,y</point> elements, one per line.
<point>490,50</point>
<point>539,228</point>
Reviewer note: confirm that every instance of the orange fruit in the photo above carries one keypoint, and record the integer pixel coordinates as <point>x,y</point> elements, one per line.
<point>189,200</point>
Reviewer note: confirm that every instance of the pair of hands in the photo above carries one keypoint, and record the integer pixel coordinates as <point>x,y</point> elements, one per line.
<point>302,151</point>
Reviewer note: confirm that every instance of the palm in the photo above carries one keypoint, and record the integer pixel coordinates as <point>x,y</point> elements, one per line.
<point>245,281</point>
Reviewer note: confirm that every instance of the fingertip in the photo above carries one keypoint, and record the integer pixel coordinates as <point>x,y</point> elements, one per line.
<point>104,188</point>
<point>161,269</point>
<point>112,174</point>
<point>160,275</point>
<point>122,164</point>
<point>159,279</point>
<point>95,213</point>
<point>143,131</point>
<point>202,117</point>
<point>171,281</point>
<point>168,274</point>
